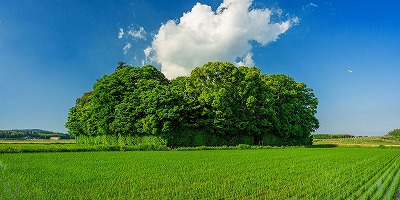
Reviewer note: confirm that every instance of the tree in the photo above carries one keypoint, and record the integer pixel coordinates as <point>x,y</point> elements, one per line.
<point>121,65</point>
<point>149,109</point>
<point>77,122</point>
<point>229,102</point>
<point>394,133</point>
<point>126,102</point>
<point>218,104</point>
<point>295,107</point>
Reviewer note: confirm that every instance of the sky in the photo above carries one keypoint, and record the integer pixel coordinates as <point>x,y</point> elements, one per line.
<point>51,52</point>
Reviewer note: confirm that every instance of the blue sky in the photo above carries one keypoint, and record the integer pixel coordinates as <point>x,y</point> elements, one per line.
<point>51,52</point>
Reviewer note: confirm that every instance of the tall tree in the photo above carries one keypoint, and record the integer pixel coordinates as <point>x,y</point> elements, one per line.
<point>295,107</point>
<point>79,115</point>
<point>230,101</point>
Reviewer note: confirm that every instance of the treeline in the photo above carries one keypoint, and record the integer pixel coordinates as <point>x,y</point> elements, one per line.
<point>31,134</point>
<point>332,136</point>
<point>218,104</point>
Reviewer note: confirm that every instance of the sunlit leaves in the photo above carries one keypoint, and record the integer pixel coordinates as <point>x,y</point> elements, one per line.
<point>217,103</point>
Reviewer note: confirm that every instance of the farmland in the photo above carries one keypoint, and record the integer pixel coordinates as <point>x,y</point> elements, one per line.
<point>277,173</point>
<point>372,141</point>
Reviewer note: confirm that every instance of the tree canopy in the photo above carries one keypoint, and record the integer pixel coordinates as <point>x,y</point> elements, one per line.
<point>218,104</point>
<point>394,133</point>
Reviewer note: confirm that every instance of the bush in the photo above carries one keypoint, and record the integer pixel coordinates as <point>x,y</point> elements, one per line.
<point>243,146</point>
<point>120,140</point>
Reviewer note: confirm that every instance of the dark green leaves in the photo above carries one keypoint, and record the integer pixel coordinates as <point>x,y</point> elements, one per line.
<point>218,104</point>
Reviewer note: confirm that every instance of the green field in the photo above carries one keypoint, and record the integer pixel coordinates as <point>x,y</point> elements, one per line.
<point>372,141</point>
<point>286,173</point>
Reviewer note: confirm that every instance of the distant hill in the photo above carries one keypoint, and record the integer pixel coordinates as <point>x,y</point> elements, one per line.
<point>31,134</point>
<point>35,131</point>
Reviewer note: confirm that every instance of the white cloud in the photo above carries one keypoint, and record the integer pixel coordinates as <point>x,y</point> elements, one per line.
<point>247,60</point>
<point>147,52</point>
<point>310,6</point>
<point>140,33</point>
<point>202,35</point>
<point>126,47</point>
<point>121,33</point>
<point>137,34</point>
<point>131,35</point>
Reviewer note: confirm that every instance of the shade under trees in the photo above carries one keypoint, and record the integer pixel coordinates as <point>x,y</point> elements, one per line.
<point>218,104</point>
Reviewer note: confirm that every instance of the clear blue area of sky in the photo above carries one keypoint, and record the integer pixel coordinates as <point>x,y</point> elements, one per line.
<point>51,52</point>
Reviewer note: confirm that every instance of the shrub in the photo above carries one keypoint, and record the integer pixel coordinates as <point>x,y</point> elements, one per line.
<point>243,146</point>
<point>382,146</point>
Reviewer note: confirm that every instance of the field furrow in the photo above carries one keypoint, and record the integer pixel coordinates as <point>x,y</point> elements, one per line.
<point>373,172</point>
<point>9,189</point>
<point>384,185</point>
<point>394,186</point>
<point>360,174</point>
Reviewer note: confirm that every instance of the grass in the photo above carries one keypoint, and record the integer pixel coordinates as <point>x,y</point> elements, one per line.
<point>276,173</point>
<point>40,148</point>
<point>20,146</point>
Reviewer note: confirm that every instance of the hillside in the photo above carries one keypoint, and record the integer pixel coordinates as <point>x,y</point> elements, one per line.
<point>31,134</point>
<point>35,131</point>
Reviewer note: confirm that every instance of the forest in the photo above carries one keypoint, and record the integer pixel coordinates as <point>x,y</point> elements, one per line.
<point>218,104</point>
<point>31,134</point>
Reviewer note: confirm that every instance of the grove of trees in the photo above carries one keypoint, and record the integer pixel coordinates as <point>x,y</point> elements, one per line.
<point>218,104</point>
<point>393,134</point>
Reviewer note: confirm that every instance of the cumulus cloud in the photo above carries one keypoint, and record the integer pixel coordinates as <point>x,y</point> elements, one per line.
<point>203,35</point>
<point>247,60</point>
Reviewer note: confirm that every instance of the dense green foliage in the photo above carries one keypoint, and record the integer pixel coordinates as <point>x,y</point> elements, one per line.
<point>288,173</point>
<point>394,133</point>
<point>31,134</point>
<point>218,104</point>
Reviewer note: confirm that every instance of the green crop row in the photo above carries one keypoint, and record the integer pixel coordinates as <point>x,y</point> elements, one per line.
<point>37,148</point>
<point>275,173</point>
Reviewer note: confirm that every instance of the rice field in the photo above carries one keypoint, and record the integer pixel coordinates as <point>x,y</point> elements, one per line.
<point>287,173</point>
<point>370,141</point>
